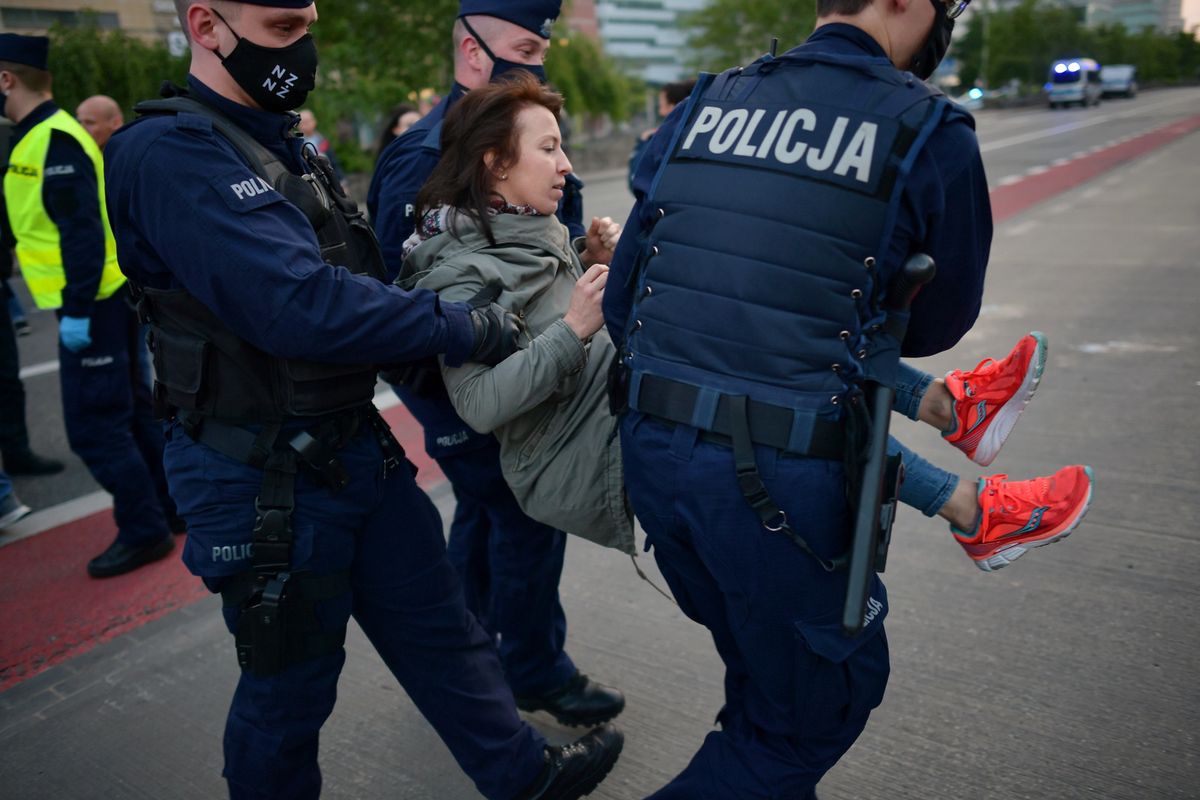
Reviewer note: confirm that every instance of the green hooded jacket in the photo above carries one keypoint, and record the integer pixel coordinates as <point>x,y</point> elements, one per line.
<point>547,404</point>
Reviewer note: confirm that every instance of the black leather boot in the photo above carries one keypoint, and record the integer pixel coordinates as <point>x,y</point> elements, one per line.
<point>30,463</point>
<point>119,558</point>
<point>579,702</point>
<point>574,770</point>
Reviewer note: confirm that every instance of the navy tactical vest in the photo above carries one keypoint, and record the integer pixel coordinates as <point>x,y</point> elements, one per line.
<point>762,275</point>
<point>203,367</point>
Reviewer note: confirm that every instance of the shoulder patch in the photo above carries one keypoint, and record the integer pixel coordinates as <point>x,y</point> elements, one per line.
<point>243,191</point>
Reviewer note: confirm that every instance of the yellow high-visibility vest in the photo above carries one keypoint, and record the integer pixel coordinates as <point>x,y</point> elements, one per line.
<point>39,245</point>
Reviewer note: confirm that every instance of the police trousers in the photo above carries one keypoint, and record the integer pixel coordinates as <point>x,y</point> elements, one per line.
<point>510,565</point>
<point>403,593</point>
<point>797,691</point>
<point>109,417</point>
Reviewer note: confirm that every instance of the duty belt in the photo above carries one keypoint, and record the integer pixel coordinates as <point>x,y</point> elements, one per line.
<point>770,425</point>
<point>741,423</point>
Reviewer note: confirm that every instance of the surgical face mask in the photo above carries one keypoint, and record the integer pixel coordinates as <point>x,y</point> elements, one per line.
<point>503,65</point>
<point>934,50</point>
<point>277,78</point>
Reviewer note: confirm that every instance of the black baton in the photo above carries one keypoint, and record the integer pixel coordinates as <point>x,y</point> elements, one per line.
<point>867,556</point>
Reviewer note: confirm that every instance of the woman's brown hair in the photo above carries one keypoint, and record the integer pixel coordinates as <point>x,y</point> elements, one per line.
<point>482,122</point>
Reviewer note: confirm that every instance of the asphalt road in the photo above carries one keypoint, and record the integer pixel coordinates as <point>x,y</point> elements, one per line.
<point>1068,675</point>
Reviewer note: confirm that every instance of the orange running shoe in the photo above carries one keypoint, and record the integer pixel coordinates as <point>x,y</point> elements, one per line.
<point>1016,516</point>
<point>989,398</point>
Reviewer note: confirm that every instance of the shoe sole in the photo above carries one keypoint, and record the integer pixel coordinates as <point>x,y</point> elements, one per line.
<point>16,515</point>
<point>1006,418</point>
<point>574,722</point>
<point>586,783</point>
<point>1007,555</point>
<point>150,556</point>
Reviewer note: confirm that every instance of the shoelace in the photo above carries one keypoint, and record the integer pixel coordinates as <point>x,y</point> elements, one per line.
<point>1010,495</point>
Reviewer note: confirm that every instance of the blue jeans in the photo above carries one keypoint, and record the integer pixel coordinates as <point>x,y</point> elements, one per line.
<point>926,487</point>
<point>6,485</point>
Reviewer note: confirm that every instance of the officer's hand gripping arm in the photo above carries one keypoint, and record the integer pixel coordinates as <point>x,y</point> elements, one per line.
<point>496,328</point>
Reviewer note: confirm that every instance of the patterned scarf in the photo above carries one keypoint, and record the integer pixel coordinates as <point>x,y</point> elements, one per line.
<point>438,220</point>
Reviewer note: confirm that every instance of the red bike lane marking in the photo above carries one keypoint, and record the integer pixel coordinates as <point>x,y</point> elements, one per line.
<point>55,612</point>
<point>1010,200</point>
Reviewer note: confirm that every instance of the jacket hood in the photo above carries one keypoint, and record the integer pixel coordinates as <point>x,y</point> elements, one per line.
<point>526,242</point>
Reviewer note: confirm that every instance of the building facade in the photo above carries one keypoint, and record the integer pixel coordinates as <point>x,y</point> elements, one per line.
<point>151,20</point>
<point>646,35</point>
<point>1164,16</point>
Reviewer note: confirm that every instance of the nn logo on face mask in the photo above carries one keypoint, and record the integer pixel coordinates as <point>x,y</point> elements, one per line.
<point>280,81</point>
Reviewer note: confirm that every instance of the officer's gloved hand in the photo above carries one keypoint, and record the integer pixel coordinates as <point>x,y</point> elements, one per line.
<point>496,328</point>
<point>75,333</point>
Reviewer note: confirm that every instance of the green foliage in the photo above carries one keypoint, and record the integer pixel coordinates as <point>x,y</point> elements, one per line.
<point>588,79</point>
<point>378,54</point>
<point>87,61</point>
<point>375,55</point>
<point>1023,41</point>
<point>729,32</point>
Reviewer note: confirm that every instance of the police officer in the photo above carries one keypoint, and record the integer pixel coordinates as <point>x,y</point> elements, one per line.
<point>774,210</point>
<point>510,564</point>
<point>262,287</point>
<point>54,194</point>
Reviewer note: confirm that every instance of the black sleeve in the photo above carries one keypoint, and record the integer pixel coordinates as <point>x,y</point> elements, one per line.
<point>71,195</point>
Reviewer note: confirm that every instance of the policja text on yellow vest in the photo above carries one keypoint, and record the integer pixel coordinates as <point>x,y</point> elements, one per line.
<point>39,244</point>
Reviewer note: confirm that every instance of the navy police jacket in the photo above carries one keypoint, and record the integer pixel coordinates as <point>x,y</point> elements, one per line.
<point>189,213</point>
<point>942,210</point>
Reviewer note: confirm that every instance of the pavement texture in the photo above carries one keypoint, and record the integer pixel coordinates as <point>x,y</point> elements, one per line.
<point>1068,675</point>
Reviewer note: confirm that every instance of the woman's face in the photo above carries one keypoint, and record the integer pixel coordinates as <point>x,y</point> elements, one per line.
<point>538,177</point>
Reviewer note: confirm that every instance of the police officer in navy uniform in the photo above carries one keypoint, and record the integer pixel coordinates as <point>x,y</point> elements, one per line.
<point>747,298</point>
<point>511,564</point>
<point>262,286</point>
<point>54,202</point>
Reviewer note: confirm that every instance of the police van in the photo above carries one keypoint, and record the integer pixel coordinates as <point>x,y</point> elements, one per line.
<point>1074,80</point>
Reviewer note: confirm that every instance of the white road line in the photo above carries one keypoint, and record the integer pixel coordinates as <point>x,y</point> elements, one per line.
<point>1000,144</point>
<point>1011,179</point>
<point>53,517</point>
<point>1036,170</point>
<point>1021,228</point>
<point>33,370</point>
<point>74,510</point>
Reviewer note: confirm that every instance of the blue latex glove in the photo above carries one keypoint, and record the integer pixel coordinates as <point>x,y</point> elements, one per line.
<point>73,331</point>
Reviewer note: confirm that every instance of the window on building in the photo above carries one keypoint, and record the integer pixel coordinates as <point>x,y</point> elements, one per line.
<point>40,18</point>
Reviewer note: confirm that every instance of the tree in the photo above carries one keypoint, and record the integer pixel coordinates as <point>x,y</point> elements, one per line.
<point>1025,40</point>
<point>87,61</point>
<point>726,33</point>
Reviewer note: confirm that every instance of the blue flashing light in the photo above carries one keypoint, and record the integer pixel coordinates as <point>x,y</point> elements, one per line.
<point>975,93</point>
<point>1061,68</point>
<point>1074,67</point>
<point>1048,86</point>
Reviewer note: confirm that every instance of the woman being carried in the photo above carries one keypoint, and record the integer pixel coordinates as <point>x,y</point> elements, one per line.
<point>489,222</point>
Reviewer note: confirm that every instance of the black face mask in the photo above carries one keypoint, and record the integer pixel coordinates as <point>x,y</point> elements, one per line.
<point>503,65</point>
<point>277,78</point>
<point>3,103</point>
<point>934,50</point>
